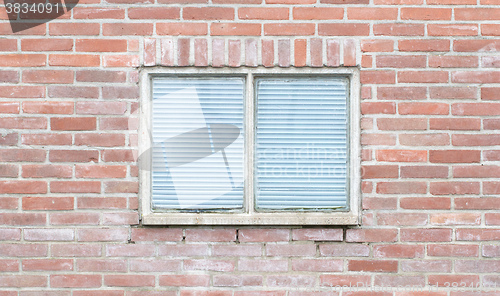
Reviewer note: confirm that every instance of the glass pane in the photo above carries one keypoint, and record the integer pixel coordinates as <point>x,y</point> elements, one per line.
<point>301,144</point>
<point>197,143</point>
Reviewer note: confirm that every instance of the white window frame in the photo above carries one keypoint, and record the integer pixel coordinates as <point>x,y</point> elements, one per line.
<point>248,216</point>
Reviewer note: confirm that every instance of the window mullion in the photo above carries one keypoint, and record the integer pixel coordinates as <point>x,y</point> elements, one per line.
<point>249,195</point>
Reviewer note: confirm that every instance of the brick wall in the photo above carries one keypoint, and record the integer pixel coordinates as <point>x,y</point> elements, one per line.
<point>69,220</point>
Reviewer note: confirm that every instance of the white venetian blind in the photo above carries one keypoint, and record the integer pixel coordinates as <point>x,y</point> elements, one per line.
<point>197,154</point>
<point>301,144</point>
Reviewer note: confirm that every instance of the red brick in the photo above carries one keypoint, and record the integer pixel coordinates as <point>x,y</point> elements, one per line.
<point>47,171</point>
<point>75,250</point>
<point>418,13</point>
<point>373,265</point>
<point>464,234</point>
<point>11,265</point>
<point>263,265</point>
<point>101,108</point>
<point>452,29</point>
<point>484,203</point>
<point>401,219</point>
<point>208,13</point>
<point>61,29</point>
<point>23,186</point>
<point>422,76</point>
<point>455,250</point>
<point>100,171</point>
<point>491,155</point>
<point>183,250</point>
<point>154,13</point>
<point>371,13</point>
<point>22,60</point>
<point>72,123</point>
<point>153,234</point>
<point>263,235</point>
<point>402,124</point>
<point>46,44</point>
<point>401,187</point>
<point>103,235</point>
<point>426,203</point>
<point>343,29</point>
<point>234,53</point>
<point>377,45</point>
<point>404,61</point>
<point>75,281</point>
<point>300,52</point>
<point>103,140</point>
<point>378,139</point>
<point>8,45</point>
<point>398,251</point>
<point>334,280</point>
<point>9,139</point>
<point>424,139</point>
<point>455,219</point>
<point>100,76</point>
<point>154,265</point>
<point>209,265</point>
<point>75,186</point>
<point>420,266</point>
<point>490,93</point>
<point>73,155</point>
<point>102,203</point>
<point>453,62</point>
<point>344,250</point>
<point>455,92</point>
<point>101,45</point>
<point>263,13</point>
<point>379,171</point>
<point>176,29</point>
<point>426,235</point>
<point>129,280</point>
<point>121,187</point>
<point>75,218</point>
<point>378,77</point>
<point>455,123</point>
<point>370,235</point>
<point>246,250</point>
<point>290,280</point>
<point>98,13</point>
<point>444,280</point>
<point>21,281</point>
<point>100,265</point>
<point>31,155</point>
<point>121,61</point>
<point>184,280</point>
<point>24,250</point>
<point>23,123</point>
<point>48,107</point>
<point>476,45</point>
<point>401,93</point>
<point>458,188</point>
<point>378,108</point>
<point>490,30</point>
<point>9,171</point>
<point>476,171</point>
<point>475,140</point>
<point>296,29</point>
<point>479,109</point>
<point>423,108</point>
<point>290,250</point>
<point>379,203</point>
<point>88,92</point>
<point>398,29</point>
<point>477,14</point>
<point>9,76</point>
<point>125,29</point>
<point>317,13</point>
<point>47,264</point>
<point>215,235</point>
<point>424,172</point>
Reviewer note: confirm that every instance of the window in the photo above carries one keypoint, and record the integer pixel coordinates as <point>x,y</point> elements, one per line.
<point>249,147</point>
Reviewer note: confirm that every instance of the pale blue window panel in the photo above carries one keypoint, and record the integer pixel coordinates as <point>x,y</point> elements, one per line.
<point>301,144</point>
<point>197,153</point>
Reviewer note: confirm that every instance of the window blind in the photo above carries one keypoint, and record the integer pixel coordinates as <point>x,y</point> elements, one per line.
<point>301,144</point>
<point>197,153</point>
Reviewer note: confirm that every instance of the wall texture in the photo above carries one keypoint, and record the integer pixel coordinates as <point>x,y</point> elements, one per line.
<point>69,221</point>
